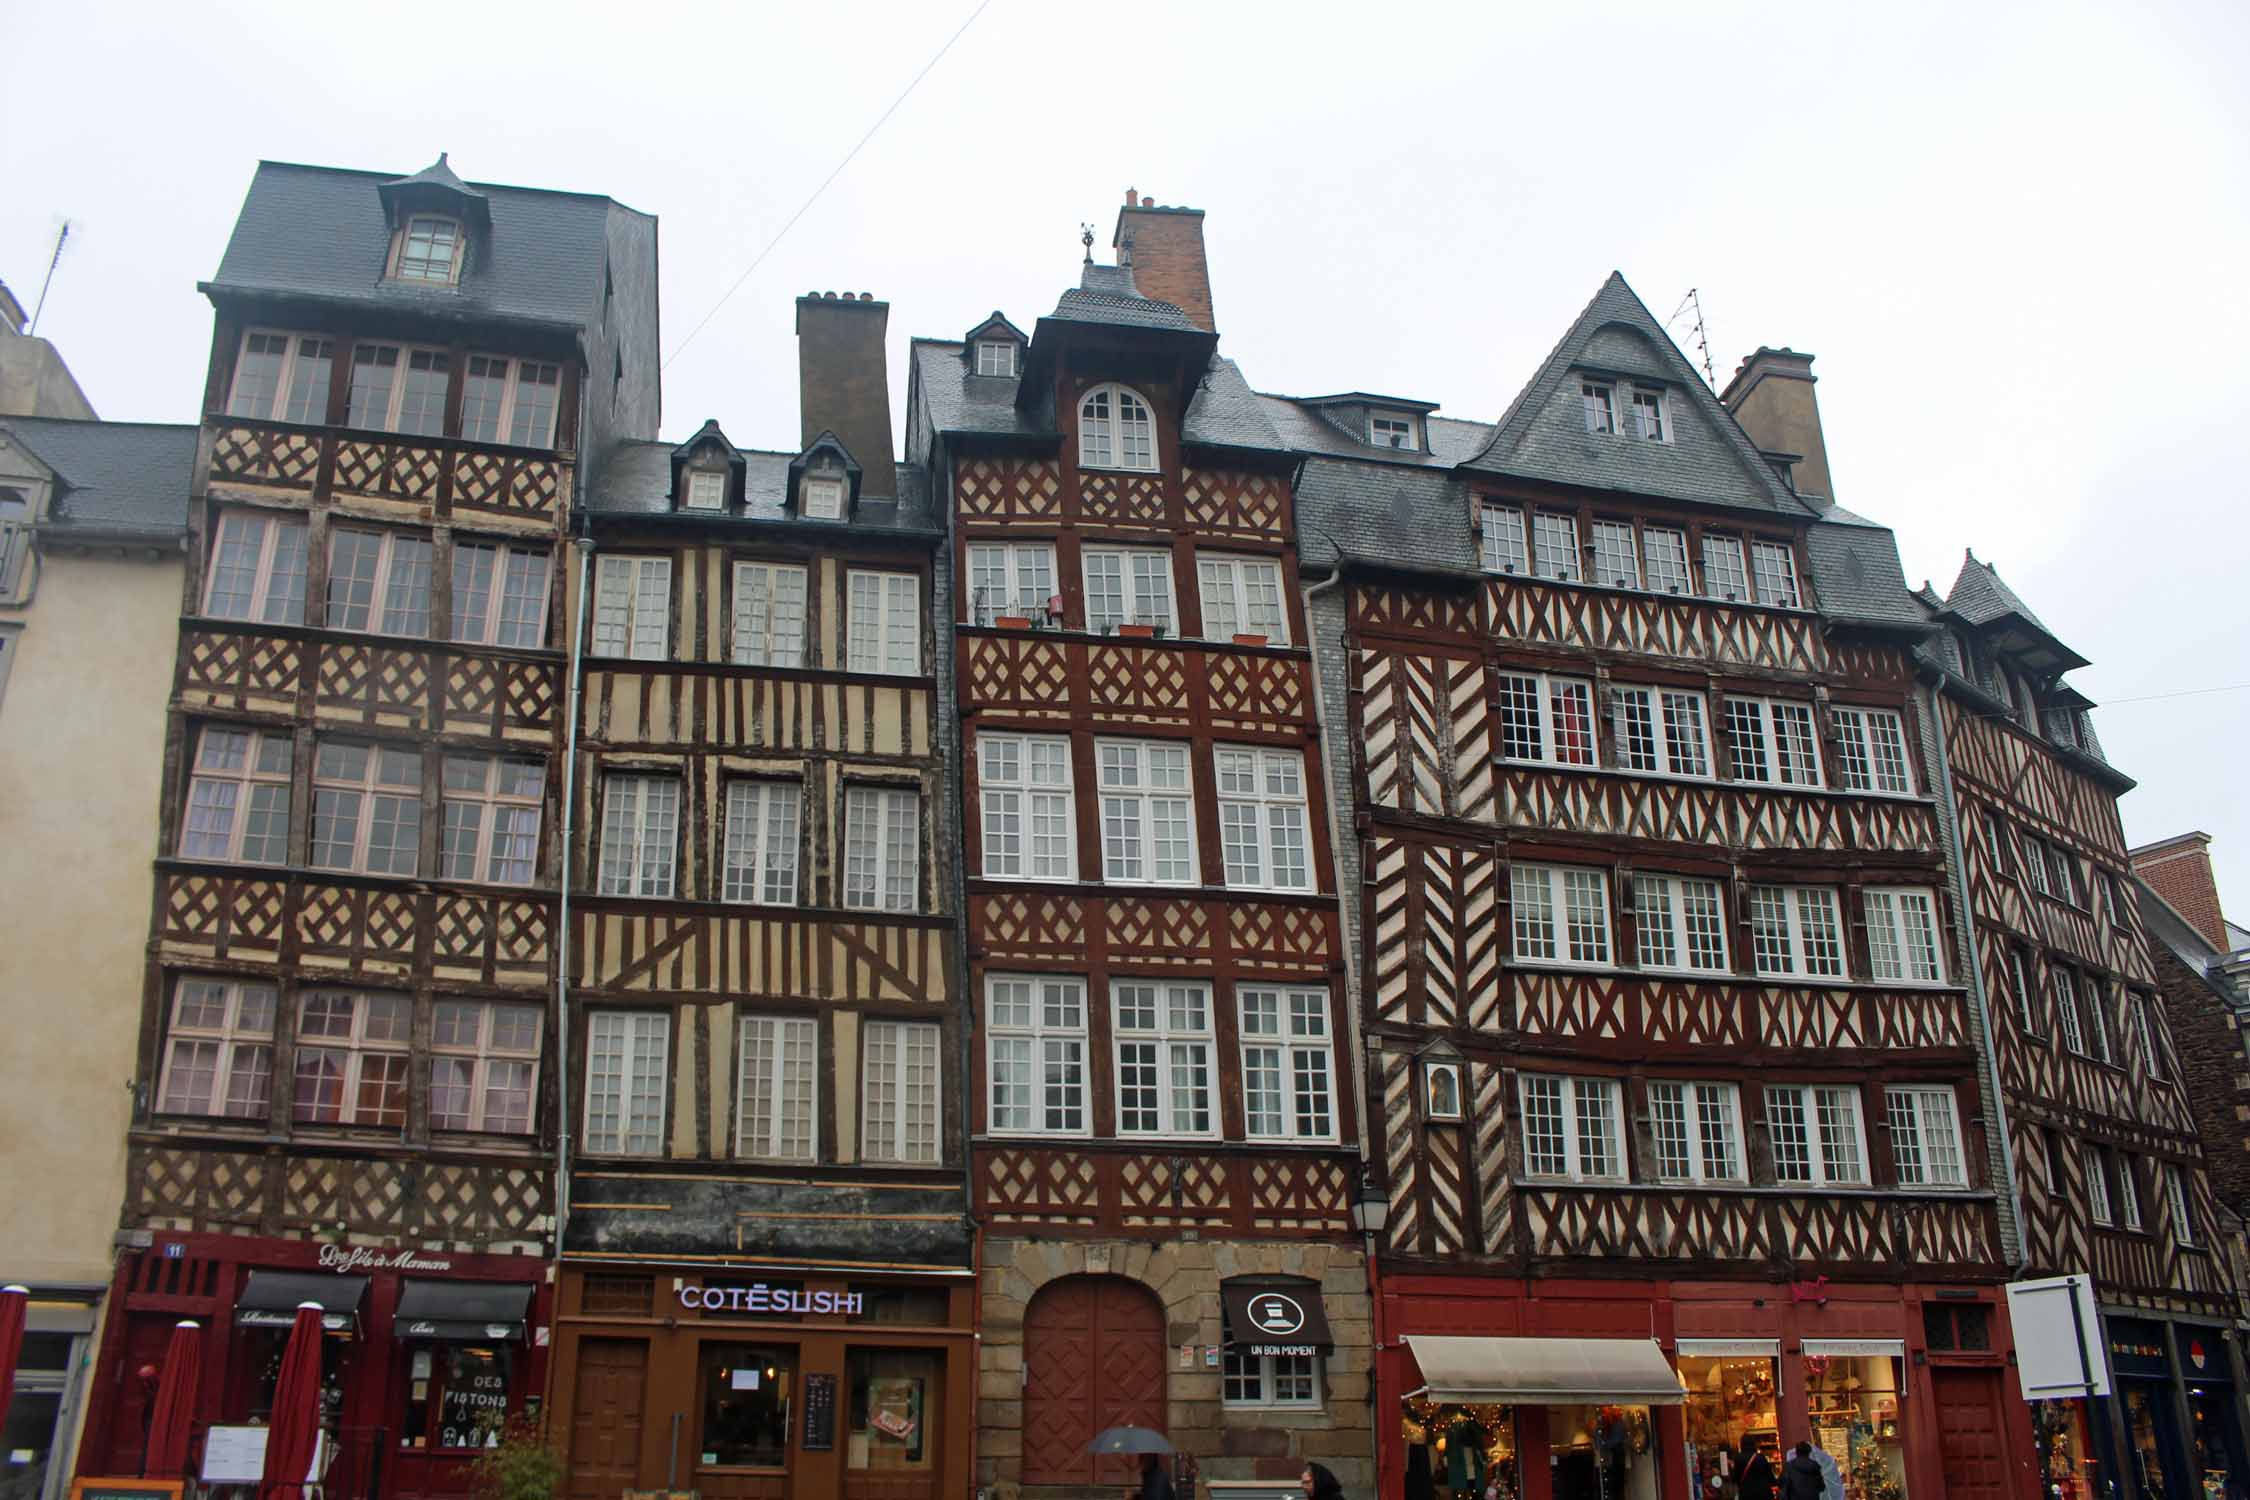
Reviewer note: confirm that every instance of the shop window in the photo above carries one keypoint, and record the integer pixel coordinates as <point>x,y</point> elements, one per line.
<point>1604,1453</point>
<point>1853,1404</point>
<point>2149,1433</point>
<point>746,1394</point>
<point>458,1395</point>
<point>893,1393</point>
<point>1730,1403</point>
<point>1271,1379</point>
<point>1459,1450</point>
<point>1956,1328</point>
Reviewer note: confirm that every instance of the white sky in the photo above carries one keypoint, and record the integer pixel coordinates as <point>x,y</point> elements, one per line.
<point>2014,235</point>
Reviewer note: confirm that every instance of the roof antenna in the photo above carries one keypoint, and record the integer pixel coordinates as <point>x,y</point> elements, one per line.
<point>1702,335</point>
<point>52,262</point>
<point>1086,238</point>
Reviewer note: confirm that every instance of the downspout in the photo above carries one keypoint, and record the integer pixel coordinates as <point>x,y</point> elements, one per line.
<point>584,545</point>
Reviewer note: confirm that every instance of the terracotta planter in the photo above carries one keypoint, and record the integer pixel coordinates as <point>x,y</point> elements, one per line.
<point>1248,638</point>
<point>1137,632</point>
<point>1012,622</point>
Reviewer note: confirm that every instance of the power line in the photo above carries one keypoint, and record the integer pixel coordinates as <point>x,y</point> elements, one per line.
<point>2231,687</point>
<point>912,83</point>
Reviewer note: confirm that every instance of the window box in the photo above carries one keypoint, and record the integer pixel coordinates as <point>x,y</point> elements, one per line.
<point>1140,632</point>
<point>1248,638</point>
<point>1012,622</point>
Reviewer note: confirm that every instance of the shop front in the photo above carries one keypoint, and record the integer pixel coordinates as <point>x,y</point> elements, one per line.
<point>2154,1464</point>
<point>42,1415</point>
<point>2214,1412</point>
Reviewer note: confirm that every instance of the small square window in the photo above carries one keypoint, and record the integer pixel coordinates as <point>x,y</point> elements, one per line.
<point>706,490</point>
<point>996,357</point>
<point>1648,416</point>
<point>1601,416</point>
<point>429,250</point>
<point>823,497</point>
<point>1391,432</point>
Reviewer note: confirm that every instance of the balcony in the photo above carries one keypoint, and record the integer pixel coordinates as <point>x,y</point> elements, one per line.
<point>440,476</point>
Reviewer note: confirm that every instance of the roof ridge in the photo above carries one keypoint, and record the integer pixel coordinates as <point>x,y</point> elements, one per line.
<point>379,176</point>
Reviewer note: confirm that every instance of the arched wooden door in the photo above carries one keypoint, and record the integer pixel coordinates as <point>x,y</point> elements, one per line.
<point>1093,1355</point>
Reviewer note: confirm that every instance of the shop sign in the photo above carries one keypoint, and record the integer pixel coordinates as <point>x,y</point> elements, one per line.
<point>350,1258</point>
<point>1276,1315</point>
<point>758,1297</point>
<point>424,1329</point>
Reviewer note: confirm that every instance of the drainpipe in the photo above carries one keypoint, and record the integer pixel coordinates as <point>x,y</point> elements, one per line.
<point>583,544</point>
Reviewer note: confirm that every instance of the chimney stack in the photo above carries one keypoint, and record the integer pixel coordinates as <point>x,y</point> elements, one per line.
<point>2179,870</point>
<point>1771,395</point>
<point>842,385</point>
<point>1164,246</point>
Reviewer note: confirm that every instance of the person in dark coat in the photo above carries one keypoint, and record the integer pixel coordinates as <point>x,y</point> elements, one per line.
<point>1801,1478</point>
<point>1321,1484</point>
<point>1754,1476</point>
<point>1155,1483</point>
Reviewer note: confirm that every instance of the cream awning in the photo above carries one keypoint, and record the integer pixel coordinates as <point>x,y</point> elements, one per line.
<point>1545,1372</point>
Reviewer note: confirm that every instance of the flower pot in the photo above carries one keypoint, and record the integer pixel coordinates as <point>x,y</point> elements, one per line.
<point>1012,622</point>
<point>1248,638</point>
<point>1137,632</point>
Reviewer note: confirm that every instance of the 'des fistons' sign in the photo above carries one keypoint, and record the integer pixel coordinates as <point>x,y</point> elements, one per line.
<point>760,1298</point>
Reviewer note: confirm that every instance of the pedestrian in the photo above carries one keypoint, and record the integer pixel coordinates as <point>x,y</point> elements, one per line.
<point>1801,1478</point>
<point>1829,1471</point>
<point>1754,1479</point>
<point>1320,1484</point>
<point>1155,1483</point>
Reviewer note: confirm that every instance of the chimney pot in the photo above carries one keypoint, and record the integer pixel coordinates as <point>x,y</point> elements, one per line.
<point>867,296</point>
<point>1130,200</point>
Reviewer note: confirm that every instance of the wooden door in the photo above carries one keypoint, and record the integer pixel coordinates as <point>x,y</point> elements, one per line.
<point>1972,1447</point>
<point>605,1418</point>
<point>1093,1358</point>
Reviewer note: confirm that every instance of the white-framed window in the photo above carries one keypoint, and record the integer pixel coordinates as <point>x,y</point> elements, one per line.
<point>1648,416</point>
<point>1554,546</point>
<point>1816,1135</point>
<point>1035,1030</point>
<point>257,568</point>
<point>218,1055</point>
<point>776,1108</point>
<point>1127,586</point>
<point>1697,1130</point>
<point>492,810</point>
<point>759,861</point>
<point>430,249</point>
<point>1597,401</point>
<point>2129,1193</point>
<point>365,567</point>
<point>1559,914</point>
<point>1902,935</point>
<point>2032,857</point>
<point>506,574</point>
<point>1926,1137</point>
<point>2097,1020</point>
<point>2066,881</point>
<point>1502,543</point>
<point>1794,930</point>
<point>1871,751</point>
<point>396,388</point>
<point>2144,1024</point>
<point>1148,813</point>
<point>1391,430</point>
<point>1617,560</point>
<point>899,1093</point>
<point>2176,1192</point>
<point>238,797</point>
<point>884,631</point>
<point>1164,1071</point>
<point>1660,731</point>
<point>1549,719</point>
<point>1262,822</point>
<point>1724,576</point>
<point>1023,788</point>
<point>1773,573</point>
<point>1116,430</point>
<point>1270,1380</point>
<point>2113,890</point>
<point>1288,1090</point>
<point>821,497</point>
<point>1242,595</point>
<point>352,1059</point>
<point>1665,548</point>
<point>284,377</point>
<point>640,834</point>
<point>628,1061</point>
<point>2100,1192</point>
<point>1010,578</point>
<point>633,607</point>
<point>484,1066</point>
<point>1773,740</point>
<point>2067,1018</point>
<point>1680,923</point>
<point>706,489</point>
<point>510,401</point>
<point>1571,1127</point>
<point>367,808</point>
<point>769,615</point>
<point>1441,1090</point>
<point>996,357</point>
<point>883,848</point>
<point>2026,1015</point>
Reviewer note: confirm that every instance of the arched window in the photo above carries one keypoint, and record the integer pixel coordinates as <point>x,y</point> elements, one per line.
<point>1115,430</point>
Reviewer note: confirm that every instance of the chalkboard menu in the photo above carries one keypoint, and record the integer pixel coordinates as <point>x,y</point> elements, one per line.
<point>820,1413</point>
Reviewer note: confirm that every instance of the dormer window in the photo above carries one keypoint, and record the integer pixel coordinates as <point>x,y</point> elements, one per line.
<point>430,250</point>
<point>1391,430</point>
<point>996,357</point>
<point>823,497</point>
<point>1601,415</point>
<point>706,489</point>
<point>1648,416</point>
<point>1116,430</point>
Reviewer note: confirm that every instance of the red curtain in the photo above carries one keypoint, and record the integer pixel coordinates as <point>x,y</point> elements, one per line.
<point>295,1432</point>
<point>13,1302</point>
<point>174,1415</point>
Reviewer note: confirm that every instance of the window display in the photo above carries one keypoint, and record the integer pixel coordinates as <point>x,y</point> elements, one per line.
<point>1460,1452</point>
<point>746,1391</point>
<point>1730,1402</point>
<point>891,1394</point>
<point>457,1395</point>
<point>2146,1431</point>
<point>1601,1452</point>
<point>2066,1456</point>
<point>1853,1404</point>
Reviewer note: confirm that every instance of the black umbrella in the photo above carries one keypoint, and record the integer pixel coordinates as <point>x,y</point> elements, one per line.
<point>1129,1440</point>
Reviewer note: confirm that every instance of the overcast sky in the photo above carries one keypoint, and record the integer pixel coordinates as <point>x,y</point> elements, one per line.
<point>2014,236</point>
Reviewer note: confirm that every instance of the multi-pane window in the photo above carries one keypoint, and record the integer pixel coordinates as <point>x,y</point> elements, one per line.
<point>499,594</point>
<point>821,497</point>
<point>1164,1063</point>
<point>2129,1193</point>
<point>1262,824</point>
<point>769,615</point>
<point>2100,1192</point>
<point>484,1065</point>
<point>1127,586</point>
<point>378,580</point>
<point>1816,1135</point>
<point>2067,1018</point>
<point>1560,914</point>
<point>884,625</point>
<point>640,834</point>
<point>2113,890</point>
<point>2032,858</point>
<point>257,569</point>
<point>1035,1027</point>
<point>1697,1130</point>
<point>1773,573</point>
<point>238,797</point>
<point>397,389</point>
<point>1648,415</point>
<point>218,1058</point>
<point>1546,718</point>
<point>1269,1379</point>
<point>1391,432</point>
<point>1501,542</point>
<point>1660,730</point>
<point>1616,560</point>
<point>1794,930</point>
<point>2066,882</point>
<point>996,357</point>
<point>1667,554</point>
<point>1554,546</point>
<point>628,1053</point>
<point>1023,787</point>
<point>1772,739</point>
<point>2097,1020</point>
<point>1148,813</point>
<point>1571,1127</point>
<point>899,1094</point>
<point>283,376</point>
<point>367,808</point>
<point>1925,1137</point>
<point>633,607</point>
<point>510,401</point>
<point>1596,401</point>
<point>491,807</point>
<point>427,250</point>
<point>1902,935</point>
<point>1287,1061</point>
<point>775,1117</point>
<point>1680,923</point>
<point>1723,573</point>
<point>2026,1015</point>
<point>2176,1193</point>
<point>706,489</point>
<point>1010,578</point>
<point>883,848</point>
<point>759,861</point>
<point>1242,595</point>
<point>352,1059</point>
<point>1115,430</point>
<point>1871,751</point>
<point>2144,1024</point>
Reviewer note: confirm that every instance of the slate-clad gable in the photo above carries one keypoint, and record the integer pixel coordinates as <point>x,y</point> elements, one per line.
<point>117,476</point>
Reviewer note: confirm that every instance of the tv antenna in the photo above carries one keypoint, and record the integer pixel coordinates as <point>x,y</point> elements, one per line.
<point>54,260</point>
<point>1694,303</point>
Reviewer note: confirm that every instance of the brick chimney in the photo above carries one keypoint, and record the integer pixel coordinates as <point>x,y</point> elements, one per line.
<point>1771,395</point>
<point>2179,870</point>
<point>1164,246</point>
<point>842,385</point>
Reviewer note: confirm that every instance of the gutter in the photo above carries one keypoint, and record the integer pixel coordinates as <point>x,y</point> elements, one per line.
<point>584,546</point>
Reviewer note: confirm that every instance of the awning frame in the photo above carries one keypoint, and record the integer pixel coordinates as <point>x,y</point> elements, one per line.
<point>1552,1371</point>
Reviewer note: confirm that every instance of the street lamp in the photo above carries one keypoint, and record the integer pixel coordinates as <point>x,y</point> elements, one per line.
<point>1371,1210</point>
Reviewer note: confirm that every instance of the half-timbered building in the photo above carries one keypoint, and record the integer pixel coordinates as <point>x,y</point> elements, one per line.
<point>346,1082</point>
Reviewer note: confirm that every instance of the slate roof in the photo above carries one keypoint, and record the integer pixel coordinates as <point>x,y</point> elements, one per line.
<point>1979,596</point>
<point>1302,429</point>
<point>1415,516</point>
<point>1224,412</point>
<point>1856,574</point>
<point>634,479</point>
<point>114,476</point>
<point>1106,294</point>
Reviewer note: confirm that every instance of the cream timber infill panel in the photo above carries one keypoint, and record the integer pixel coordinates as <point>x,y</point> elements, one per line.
<point>704,951</point>
<point>473,1206</point>
<point>1752,818</point>
<point>1425,732</point>
<point>333,678</point>
<point>1536,613</point>
<point>655,704</point>
<point>398,476</point>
